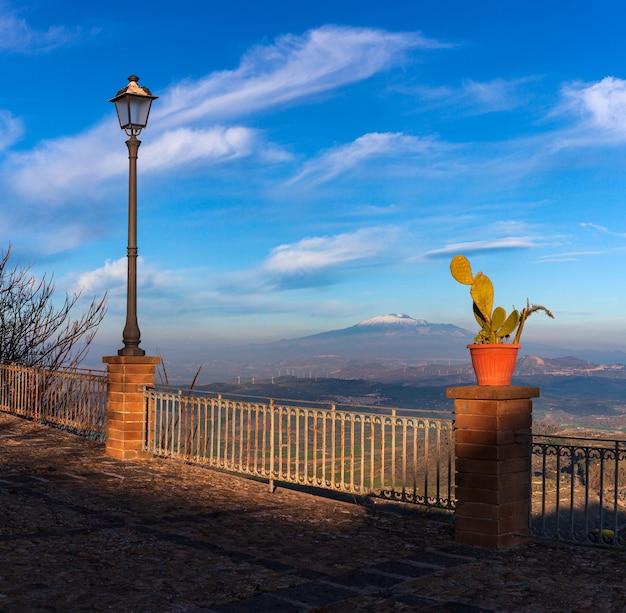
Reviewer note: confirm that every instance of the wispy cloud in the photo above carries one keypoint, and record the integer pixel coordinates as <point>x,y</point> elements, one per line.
<point>11,129</point>
<point>301,265</point>
<point>17,36</point>
<point>592,227</point>
<point>509,243</point>
<point>496,95</point>
<point>53,173</point>
<point>315,261</point>
<point>602,104</point>
<point>574,256</point>
<point>58,170</point>
<point>585,117</point>
<point>344,158</point>
<point>107,277</point>
<point>188,145</point>
<point>477,97</point>
<point>312,255</point>
<point>112,276</point>
<point>598,110</point>
<point>293,68</point>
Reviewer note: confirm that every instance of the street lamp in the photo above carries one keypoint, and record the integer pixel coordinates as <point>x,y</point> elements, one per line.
<point>133,107</point>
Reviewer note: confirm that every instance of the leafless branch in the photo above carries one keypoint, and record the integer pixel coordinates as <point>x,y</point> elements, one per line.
<point>35,332</point>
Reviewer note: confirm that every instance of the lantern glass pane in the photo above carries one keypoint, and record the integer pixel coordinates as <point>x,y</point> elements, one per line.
<point>139,110</point>
<point>123,112</point>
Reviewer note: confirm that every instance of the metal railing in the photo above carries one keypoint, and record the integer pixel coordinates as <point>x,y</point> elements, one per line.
<point>578,490</point>
<point>376,452</point>
<point>74,400</point>
<point>578,485</point>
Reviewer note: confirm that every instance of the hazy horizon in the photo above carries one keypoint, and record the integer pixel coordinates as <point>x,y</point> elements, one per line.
<point>306,167</point>
<point>260,356</point>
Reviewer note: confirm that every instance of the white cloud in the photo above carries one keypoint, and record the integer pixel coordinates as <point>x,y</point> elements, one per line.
<point>574,256</point>
<point>314,261</point>
<point>593,226</point>
<point>498,244</point>
<point>601,229</point>
<point>375,145</point>
<point>65,168</point>
<point>10,129</point>
<point>59,170</point>
<point>603,103</point>
<point>294,67</point>
<point>187,145</point>
<point>249,292</point>
<point>496,95</point>
<point>312,255</point>
<point>112,278</point>
<point>599,110</point>
<point>477,97</point>
<point>17,36</point>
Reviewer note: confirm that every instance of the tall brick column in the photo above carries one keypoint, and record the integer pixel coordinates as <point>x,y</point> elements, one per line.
<point>492,442</point>
<point>126,376</point>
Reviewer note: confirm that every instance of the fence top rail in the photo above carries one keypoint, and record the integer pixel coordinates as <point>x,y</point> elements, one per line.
<point>575,441</point>
<point>310,404</point>
<point>77,372</point>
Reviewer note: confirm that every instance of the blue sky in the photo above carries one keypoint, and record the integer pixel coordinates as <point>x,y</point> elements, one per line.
<point>311,165</point>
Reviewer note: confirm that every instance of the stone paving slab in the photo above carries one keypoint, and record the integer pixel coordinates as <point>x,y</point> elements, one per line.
<point>80,531</point>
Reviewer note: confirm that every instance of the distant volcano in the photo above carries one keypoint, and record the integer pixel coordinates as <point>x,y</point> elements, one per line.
<point>401,337</point>
<point>396,336</point>
<point>395,325</point>
<point>404,324</point>
<point>379,344</point>
<point>392,319</point>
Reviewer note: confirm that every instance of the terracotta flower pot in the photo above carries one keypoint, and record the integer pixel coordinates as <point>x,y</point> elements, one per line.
<point>494,364</point>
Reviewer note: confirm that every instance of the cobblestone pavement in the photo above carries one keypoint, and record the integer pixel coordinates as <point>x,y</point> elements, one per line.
<point>80,531</point>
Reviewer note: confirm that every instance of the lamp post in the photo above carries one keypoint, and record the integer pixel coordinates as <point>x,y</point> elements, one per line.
<point>133,107</point>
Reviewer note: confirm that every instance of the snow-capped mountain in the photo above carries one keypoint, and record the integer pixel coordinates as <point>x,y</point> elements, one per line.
<point>401,337</point>
<point>384,336</point>
<point>381,343</point>
<point>392,319</point>
<point>402,323</point>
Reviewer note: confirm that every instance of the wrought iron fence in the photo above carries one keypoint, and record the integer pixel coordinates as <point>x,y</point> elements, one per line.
<point>374,452</point>
<point>71,399</point>
<point>578,490</point>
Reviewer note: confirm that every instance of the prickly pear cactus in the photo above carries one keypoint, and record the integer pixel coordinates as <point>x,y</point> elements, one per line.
<point>494,323</point>
<point>461,270</point>
<point>482,294</point>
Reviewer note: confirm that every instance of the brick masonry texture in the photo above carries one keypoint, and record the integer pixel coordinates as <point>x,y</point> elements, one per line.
<point>492,429</point>
<point>125,404</point>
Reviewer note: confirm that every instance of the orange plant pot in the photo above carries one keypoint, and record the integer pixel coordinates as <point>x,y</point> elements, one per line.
<point>494,364</point>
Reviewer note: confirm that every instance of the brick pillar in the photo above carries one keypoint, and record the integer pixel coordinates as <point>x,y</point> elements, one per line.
<point>492,443</point>
<point>126,376</point>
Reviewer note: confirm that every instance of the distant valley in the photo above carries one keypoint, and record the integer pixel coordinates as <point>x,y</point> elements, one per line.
<point>574,393</point>
<point>398,361</point>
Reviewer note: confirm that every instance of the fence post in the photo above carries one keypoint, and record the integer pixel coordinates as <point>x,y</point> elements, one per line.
<point>272,449</point>
<point>126,377</point>
<point>492,447</point>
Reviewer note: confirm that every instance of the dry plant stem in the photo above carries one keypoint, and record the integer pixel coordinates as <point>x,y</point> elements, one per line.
<point>527,312</point>
<point>33,330</point>
<point>165,380</point>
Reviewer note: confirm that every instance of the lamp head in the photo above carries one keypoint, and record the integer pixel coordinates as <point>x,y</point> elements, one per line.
<point>132,104</point>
